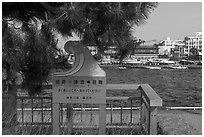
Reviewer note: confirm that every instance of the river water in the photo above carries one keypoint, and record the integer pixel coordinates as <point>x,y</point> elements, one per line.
<point>175,87</point>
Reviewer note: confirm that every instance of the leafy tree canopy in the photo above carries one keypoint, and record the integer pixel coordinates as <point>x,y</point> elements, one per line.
<point>193,51</point>
<point>101,22</point>
<point>29,44</point>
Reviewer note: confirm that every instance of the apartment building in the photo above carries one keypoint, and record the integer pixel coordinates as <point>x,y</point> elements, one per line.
<point>166,47</point>
<point>193,42</point>
<point>178,51</point>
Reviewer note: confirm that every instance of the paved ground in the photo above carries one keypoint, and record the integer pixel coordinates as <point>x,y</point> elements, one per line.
<point>181,122</point>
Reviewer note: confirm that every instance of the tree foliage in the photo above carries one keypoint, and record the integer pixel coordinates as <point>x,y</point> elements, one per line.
<point>30,53</point>
<point>101,22</point>
<point>30,50</point>
<point>193,51</point>
<point>39,57</point>
<point>12,56</point>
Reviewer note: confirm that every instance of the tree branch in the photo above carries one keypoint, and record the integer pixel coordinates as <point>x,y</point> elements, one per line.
<point>49,7</point>
<point>5,20</point>
<point>13,25</point>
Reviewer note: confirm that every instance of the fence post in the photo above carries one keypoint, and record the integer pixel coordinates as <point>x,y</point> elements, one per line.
<point>111,115</point>
<point>131,111</point>
<point>153,121</point>
<point>102,119</point>
<point>142,112</point>
<point>22,111</point>
<point>32,110</point>
<point>121,112</point>
<point>42,110</point>
<point>56,118</point>
<point>150,102</point>
<point>70,118</point>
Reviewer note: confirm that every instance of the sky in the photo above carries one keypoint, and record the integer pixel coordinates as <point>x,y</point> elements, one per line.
<point>171,19</point>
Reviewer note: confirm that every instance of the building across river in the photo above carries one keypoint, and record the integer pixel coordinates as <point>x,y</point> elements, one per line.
<point>145,52</point>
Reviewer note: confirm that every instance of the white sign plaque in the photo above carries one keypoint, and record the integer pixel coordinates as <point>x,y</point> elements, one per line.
<point>83,89</point>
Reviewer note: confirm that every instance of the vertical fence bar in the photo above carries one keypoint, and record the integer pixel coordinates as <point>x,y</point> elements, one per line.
<point>61,112</point>
<point>82,107</point>
<point>82,112</point>
<point>121,113</point>
<point>111,117</point>
<point>51,111</point>
<point>141,110</point>
<point>147,119</point>
<point>91,119</point>
<point>22,111</point>
<point>67,114</point>
<point>42,110</point>
<point>32,110</point>
<point>131,111</point>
